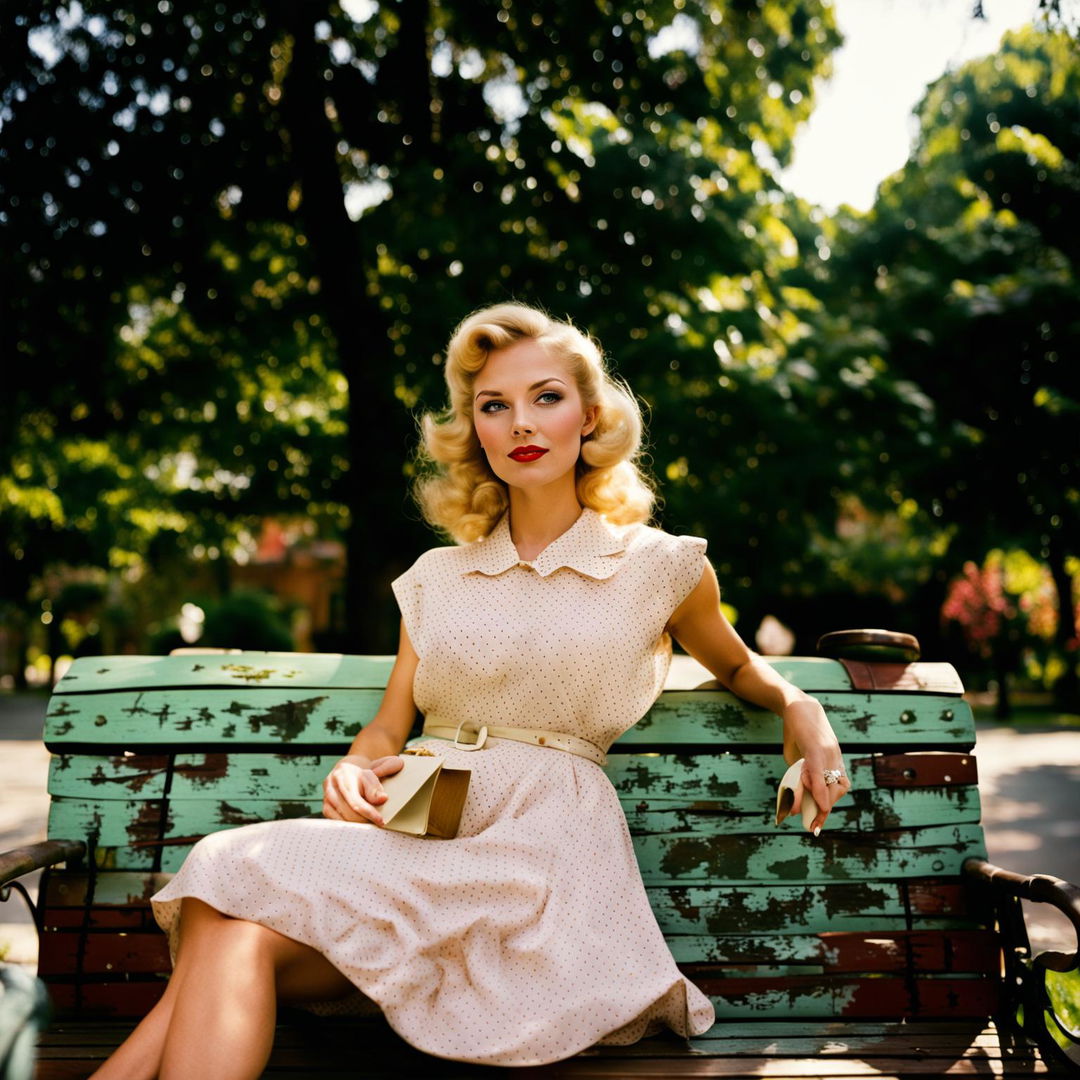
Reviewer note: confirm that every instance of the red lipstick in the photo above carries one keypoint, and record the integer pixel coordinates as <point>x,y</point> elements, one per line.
<point>527,453</point>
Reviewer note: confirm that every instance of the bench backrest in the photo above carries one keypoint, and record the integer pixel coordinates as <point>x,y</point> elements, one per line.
<point>869,920</point>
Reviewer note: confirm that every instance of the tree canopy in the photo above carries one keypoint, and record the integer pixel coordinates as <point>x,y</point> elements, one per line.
<point>241,206</point>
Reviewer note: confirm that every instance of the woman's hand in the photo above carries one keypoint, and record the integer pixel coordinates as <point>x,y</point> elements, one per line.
<point>352,791</point>
<point>808,734</point>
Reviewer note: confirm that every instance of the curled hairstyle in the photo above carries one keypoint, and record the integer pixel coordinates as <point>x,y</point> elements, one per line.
<point>456,489</point>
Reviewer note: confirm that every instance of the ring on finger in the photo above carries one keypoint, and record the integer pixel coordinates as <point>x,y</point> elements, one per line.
<point>833,776</point>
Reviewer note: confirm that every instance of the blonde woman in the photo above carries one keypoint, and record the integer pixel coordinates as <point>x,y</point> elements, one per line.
<point>529,646</point>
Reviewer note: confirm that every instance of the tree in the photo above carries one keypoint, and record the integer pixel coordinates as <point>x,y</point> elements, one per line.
<point>967,268</point>
<point>607,159</point>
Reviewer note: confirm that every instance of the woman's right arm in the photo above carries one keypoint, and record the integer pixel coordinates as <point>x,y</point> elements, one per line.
<point>352,791</point>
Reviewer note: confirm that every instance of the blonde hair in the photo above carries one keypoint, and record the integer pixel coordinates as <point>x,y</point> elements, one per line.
<point>456,489</point>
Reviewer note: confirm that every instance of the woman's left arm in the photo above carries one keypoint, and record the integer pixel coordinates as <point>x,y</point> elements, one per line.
<point>701,628</point>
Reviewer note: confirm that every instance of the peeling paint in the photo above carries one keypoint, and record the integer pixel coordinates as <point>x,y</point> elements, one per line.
<point>253,674</point>
<point>212,768</point>
<point>791,869</point>
<point>287,720</point>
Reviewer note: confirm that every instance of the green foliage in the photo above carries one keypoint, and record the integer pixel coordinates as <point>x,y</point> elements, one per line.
<point>966,267</point>
<point>190,299</point>
<point>247,619</point>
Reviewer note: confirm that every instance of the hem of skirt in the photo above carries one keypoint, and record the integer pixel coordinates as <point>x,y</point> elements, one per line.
<point>387,1012</point>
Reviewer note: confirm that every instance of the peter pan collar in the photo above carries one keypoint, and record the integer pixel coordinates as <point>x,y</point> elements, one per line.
<point>591,546</point>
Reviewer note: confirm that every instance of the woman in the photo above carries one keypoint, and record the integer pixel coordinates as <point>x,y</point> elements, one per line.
<point>529,936</point>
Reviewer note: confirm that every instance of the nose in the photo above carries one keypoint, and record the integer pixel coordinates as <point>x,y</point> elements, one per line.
<point>522,425</point>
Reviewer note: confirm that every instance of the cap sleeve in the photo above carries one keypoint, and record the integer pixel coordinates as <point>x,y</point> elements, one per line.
<point>687,566</point>
<point>408,590</point>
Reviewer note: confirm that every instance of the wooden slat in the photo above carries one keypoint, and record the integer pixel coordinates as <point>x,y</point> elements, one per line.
<point>251,668</point>
<point>717,921</point>
<point>142,948</point>
<point>758,1049</point>
<point>71,888</point>
<point>929,677</point>
<point>291,671</point>
<point>129,832</point>
<point>974,951</point>
<point>739,786</point>
<point>861,811</point>
<point>800,908</point>
<point>105,999</point>
<point>299,717</point>
<point>739,780</point>
<point>924,770</point>
<point>109,776</point>
<point>851,997</point>
<point>196,717</point>
<point>125,954</point>
<point>710,718</point>
<point>841,905</point>
<point>726,859</point>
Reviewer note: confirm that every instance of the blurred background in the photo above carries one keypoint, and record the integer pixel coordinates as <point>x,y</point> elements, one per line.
<point>235,238</point>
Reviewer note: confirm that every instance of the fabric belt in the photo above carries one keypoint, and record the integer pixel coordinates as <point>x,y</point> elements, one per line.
<point>556,740</point>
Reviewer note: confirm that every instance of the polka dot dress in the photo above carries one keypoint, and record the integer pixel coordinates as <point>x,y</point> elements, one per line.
<point>529,936</point>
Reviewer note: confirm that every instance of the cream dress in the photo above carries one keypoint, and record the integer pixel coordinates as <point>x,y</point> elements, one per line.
<point>529,936</point>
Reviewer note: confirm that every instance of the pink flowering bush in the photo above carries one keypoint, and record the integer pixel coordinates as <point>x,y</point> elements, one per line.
<point>1007,612</point>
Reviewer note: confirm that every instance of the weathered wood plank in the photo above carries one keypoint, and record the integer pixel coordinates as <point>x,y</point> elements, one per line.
<point>824,996</point>
<point>109,776</point>
<point>105,999</point>
<point>741,787</point>
<point>295,717</point>
<point>128,832</point>
<point>272,716</point>
<point>71,888</point>
<point>848,951</point>
<point>930,677</point>
<point>862,811</point>
<point>709,923</point>
<point>707,717</point>
<point>215,775</point>
<point>90,674</point>
<point>125,954</point>
<point>773,908</point>
<point>141,948</point>
<point>290,671</point>
<point>834,856</point>
<point>741,779</point>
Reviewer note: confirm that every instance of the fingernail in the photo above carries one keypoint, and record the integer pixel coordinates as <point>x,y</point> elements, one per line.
<point>817,831</point>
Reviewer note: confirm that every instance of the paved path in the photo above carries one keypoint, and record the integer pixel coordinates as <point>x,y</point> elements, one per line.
<point>1029,782</point>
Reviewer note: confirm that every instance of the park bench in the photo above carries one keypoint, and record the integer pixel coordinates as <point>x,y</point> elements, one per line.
<point>885,947</point>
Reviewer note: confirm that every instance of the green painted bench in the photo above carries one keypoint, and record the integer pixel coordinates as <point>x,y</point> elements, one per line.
<point>885,947</point>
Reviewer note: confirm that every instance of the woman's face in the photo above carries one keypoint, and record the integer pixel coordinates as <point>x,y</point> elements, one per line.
<point>528,415</point>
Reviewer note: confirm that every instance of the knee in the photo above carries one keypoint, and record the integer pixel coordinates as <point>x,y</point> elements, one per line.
<point>221,933</point>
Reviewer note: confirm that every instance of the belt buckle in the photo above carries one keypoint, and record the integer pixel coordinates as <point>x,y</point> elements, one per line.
<point>481,737</point>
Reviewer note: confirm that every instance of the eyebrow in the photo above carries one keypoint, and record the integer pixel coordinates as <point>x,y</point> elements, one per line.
<point>499,393</point>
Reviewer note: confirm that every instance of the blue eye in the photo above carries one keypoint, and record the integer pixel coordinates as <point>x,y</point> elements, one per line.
<point>552,394</point>
<point>488,406</point>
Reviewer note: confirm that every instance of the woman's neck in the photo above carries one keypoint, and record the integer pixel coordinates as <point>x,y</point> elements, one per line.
<point>536,521</point>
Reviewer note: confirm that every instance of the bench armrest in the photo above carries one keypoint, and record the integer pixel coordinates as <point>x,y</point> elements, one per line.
<point>1041,992</point>
<point>1039,887</point>
<point>24,860</point>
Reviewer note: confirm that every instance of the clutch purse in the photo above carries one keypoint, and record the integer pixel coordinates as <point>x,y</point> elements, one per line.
<point>794,796</point>
<point>425,797</point>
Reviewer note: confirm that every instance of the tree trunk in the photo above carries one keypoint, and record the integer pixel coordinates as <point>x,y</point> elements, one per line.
<point>1003,705</point>
<point>375,417</point>
<point>1067,688</point>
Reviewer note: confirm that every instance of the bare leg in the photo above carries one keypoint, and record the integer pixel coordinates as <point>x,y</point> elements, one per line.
<point>217,1016</point>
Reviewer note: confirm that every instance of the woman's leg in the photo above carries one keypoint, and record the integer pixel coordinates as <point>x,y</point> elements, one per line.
<point>217,1017</point>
